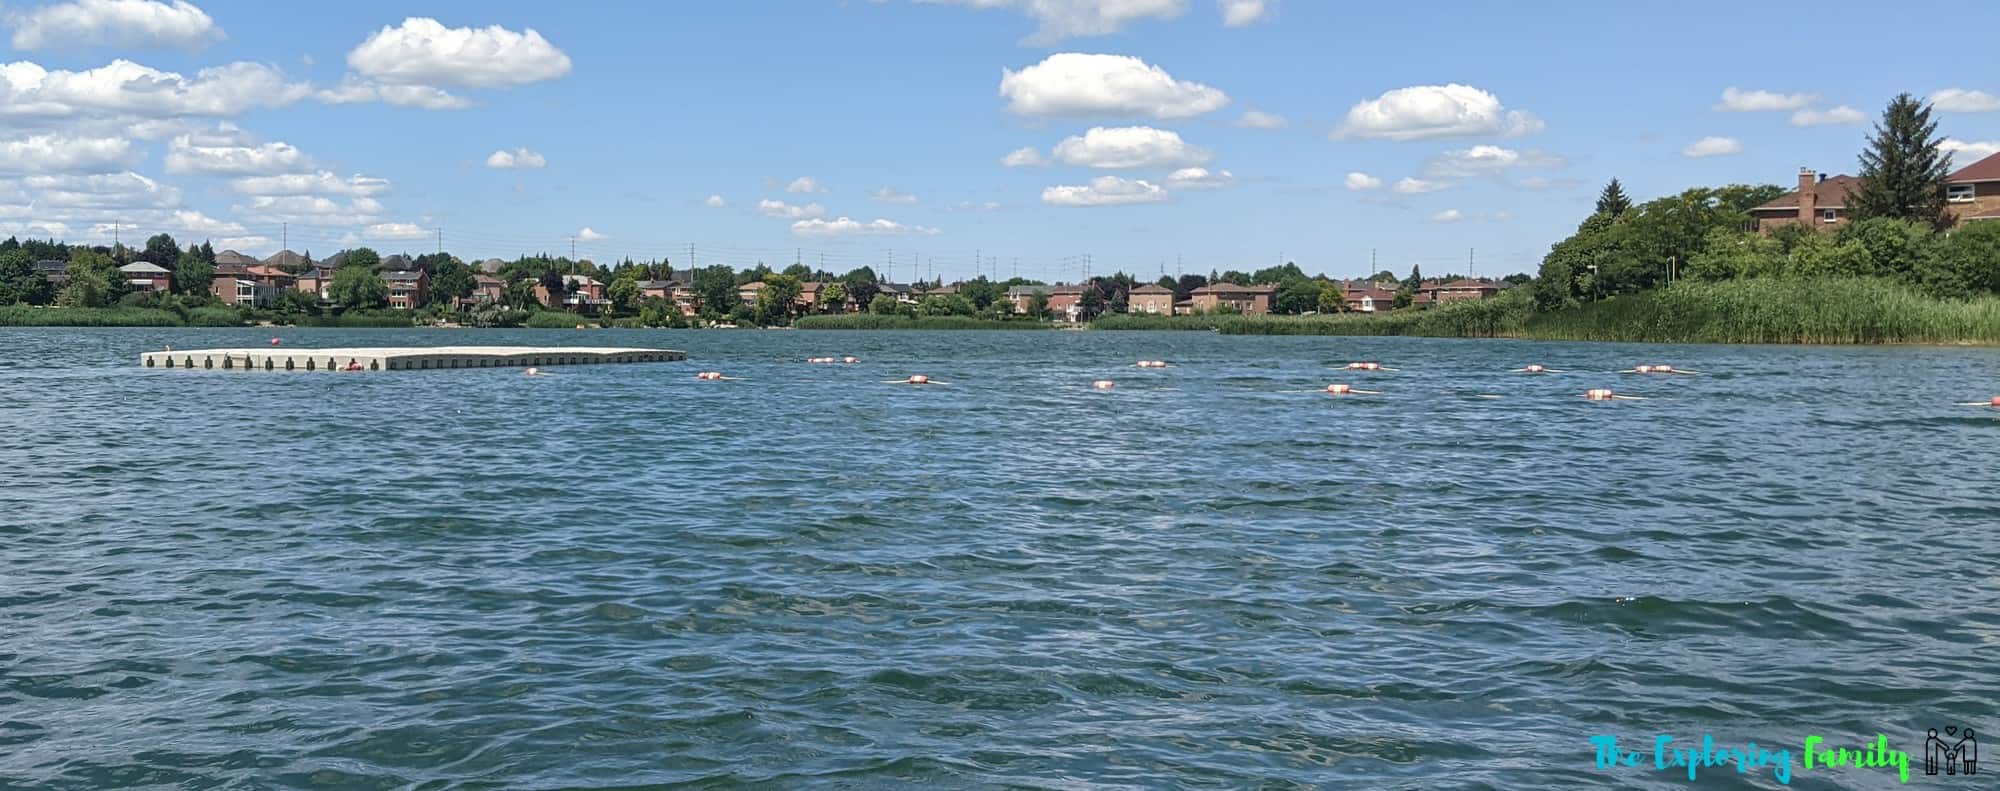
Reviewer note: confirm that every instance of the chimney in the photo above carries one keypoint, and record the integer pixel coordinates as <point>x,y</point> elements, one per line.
<point>1808,198</point>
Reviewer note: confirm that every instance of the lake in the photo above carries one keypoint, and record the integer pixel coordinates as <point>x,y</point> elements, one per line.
<point>1211,576</point>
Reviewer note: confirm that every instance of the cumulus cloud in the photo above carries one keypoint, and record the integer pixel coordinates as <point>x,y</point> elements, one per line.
<point>1129,147</point>
<point>1237,13</point>
<point>1199,179</point>
<point>192,155</point>
<point>1359,182</point>
<point>1417,186</point>
<point>1837,116</point>
<point>310,210</point>
<point>786,211</point>
<point>1973,150</point>
<point>1105,191</point>
<point>117,191</point>
<point>422,51</point>
<point>1022,158</point>
<point>1435,111</point>
<point>1060,19</point>
<point>1258,119</point>
<point>393,231</point>
<point>1737,100</point>
<point>890,195</point>
<point>197,222</point>
<point>127,24</point>
<point>1961,100</point>
<point>715,202</point>
<point>1448,215</point>
<point>318,183</point>
<point>588,235</point>
<point>843,226</point>
<point>352,90</point>
<point>1483,160</point>
<point>1073,84</point>
<point>59,154</point>
<point>1712,147</point>
<point>124,88</point>
<point>516,159</point>
<point>804,185</point>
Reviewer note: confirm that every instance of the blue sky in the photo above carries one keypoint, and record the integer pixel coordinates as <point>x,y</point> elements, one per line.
<point>635,115</point>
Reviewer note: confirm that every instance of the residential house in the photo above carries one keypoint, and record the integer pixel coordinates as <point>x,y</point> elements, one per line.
<point>1248,300</point>
<point>235,258</point>
<point>283,259</point>
<point>809,292</point>
<point>1066,302</point>
<point>1819,202</point>
<point>486,290</point>
<point>1426,295</point>
<point>54,270</point>
<point>747,293</point>
<point>142,276</point>
<point>677,288</point>
<point>1151,298</point>
<point>234,285</point>
<point>1462,290</point>
<point>315,281</point>
<point>408,288</point>
<point>1022,295</point>
<point>903,294</point>
<point>271,276</point>
<point>1973,192</point>
<point>1365,297</point>
<point>580,293</point>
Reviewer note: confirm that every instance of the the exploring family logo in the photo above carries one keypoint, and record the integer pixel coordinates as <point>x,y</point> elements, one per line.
<point>1955,751</point>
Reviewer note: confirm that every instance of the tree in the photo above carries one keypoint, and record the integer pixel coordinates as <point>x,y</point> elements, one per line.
<point>358,287</point>
<point>208,253</point>
<point>882,305</point>
<point>94,280</point>
<point>1415,280</point>
<point>192,275</point>
<point>1092,304</point>
<point>715,285</point>
<point>451,279</point>
<point>1612,200</point>
<point>1233,277</point>
<point>779,294</point>
<point>16,267</point>
<point>1296,295</point>
<point>361,257</point>
<point>161,251</point>
<point>1185,286</point>
<point>1278,274</point>
<point>1975,251</point>
<point>1331,300</point>
<point>833,298</point>
<point>1902,169</point>
<point>623,292</point>
<point>861,287</point>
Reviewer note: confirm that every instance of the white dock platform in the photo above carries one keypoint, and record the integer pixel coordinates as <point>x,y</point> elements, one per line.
<point>400,359</point>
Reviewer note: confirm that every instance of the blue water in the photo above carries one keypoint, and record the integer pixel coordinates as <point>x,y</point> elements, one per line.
<point>618,576</point>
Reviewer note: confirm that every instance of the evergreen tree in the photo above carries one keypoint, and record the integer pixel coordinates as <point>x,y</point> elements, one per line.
<point>1902,169</point>
<point>1415,280</point>
<point>1612,200</point>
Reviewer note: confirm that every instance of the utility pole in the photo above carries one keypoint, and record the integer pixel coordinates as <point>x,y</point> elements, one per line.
<point>1471,269</point>
<point>285,236</point>
<point>690,256</point>
<point>440,241</point>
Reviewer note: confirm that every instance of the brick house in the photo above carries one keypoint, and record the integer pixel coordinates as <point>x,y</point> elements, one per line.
<point>1248,300</point>
<point>1066,302</point>
<point>1463,290</point>
<point>1151,298</point>
<point>486,290</point>
<point>1973,192</point>
<point>1368,298</point>
<point>271,276</point>
<point>313,281</point>
<point>1819,202</point>
<point>234,285</point>
<point>747,293</point>
<point>408,288</point>
<point>142,276</point>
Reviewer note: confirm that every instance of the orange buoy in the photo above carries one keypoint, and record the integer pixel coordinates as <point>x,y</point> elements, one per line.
<point>1535,368</point>
<point>1102,384</point>
<point>1599,394</point>
<point>1996,402</point>
<point>274,341</point>
<point>919,379</point>
<point>355,365</point>
<point>1339,389</point>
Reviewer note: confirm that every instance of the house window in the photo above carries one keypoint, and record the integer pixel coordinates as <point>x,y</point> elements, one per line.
<point>1958,193</point>
<point>1829,215</point>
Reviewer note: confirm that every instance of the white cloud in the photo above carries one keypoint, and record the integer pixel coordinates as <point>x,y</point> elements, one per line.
<point>1258,119</point>
<point>310,210</point>
<point>1712,147</point>
<point>890,195</point>
<point>318,183</point>
<point>1105,191</point>
<point>715,202</point>
<point>1838,116</point>
<point>1022,157</point>
<point>196,222</point>
<point>1073,84</point>
<point>1065,18</point>
<point>1960,100</point>
<point>1237,13</point>
<point>588,235</point>
<point>393,231</point>
<point>358,91</point>
<point>843,226</point>
<point>422,51</point>
<point>1448,215</point>
<point>1434,111</point>
<point>1483,160</point>
<point>1199,179</point>
<point>58,154</point>
<point>1417,186</point>
<point>122,87</point>
<point>1975,150</point>
<point>127,24</point>
<point>190,155</point>
<point>804,185</point>
<point>974,206</point>
<point>786,211</point>
<point>519,158</point>
<point>1129,147</point>
<point>1359,181</point>
<point>1736,100</point>
<point>116,191</point>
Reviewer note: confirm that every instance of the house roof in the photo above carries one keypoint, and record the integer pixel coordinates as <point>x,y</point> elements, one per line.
<point>1152,288</point>
<point>752,286</point>
<point>233,257</point>
<point>491,265</point>
<point>1987,169</point>
<point>1828,193</point>
<point>1232,288</point>
<point>231,270</point>
<point>1026,291</point>
<point>51,265</point>
<point>142,268</point>
<point>265,271</point>
<point>280,258</point>
<point>1463,284</point>
<point>315,273</point>
<point>489,280</point>
<point>403,275</point>
<point>572,280</point>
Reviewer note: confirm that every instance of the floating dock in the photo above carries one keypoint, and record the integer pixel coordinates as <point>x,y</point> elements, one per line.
<point>401,359</point>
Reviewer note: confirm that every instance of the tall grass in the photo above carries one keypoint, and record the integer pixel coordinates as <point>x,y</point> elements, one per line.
<point>1154,321</point>
<point>556,320</point>
<point>870,321</point>
<point>356,319</point>
<point>25,316</point>
<point>1767,310</point>
<point>1501,316</point>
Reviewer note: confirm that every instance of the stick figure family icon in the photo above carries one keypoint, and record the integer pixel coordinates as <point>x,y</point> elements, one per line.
<point>1951,752</point>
